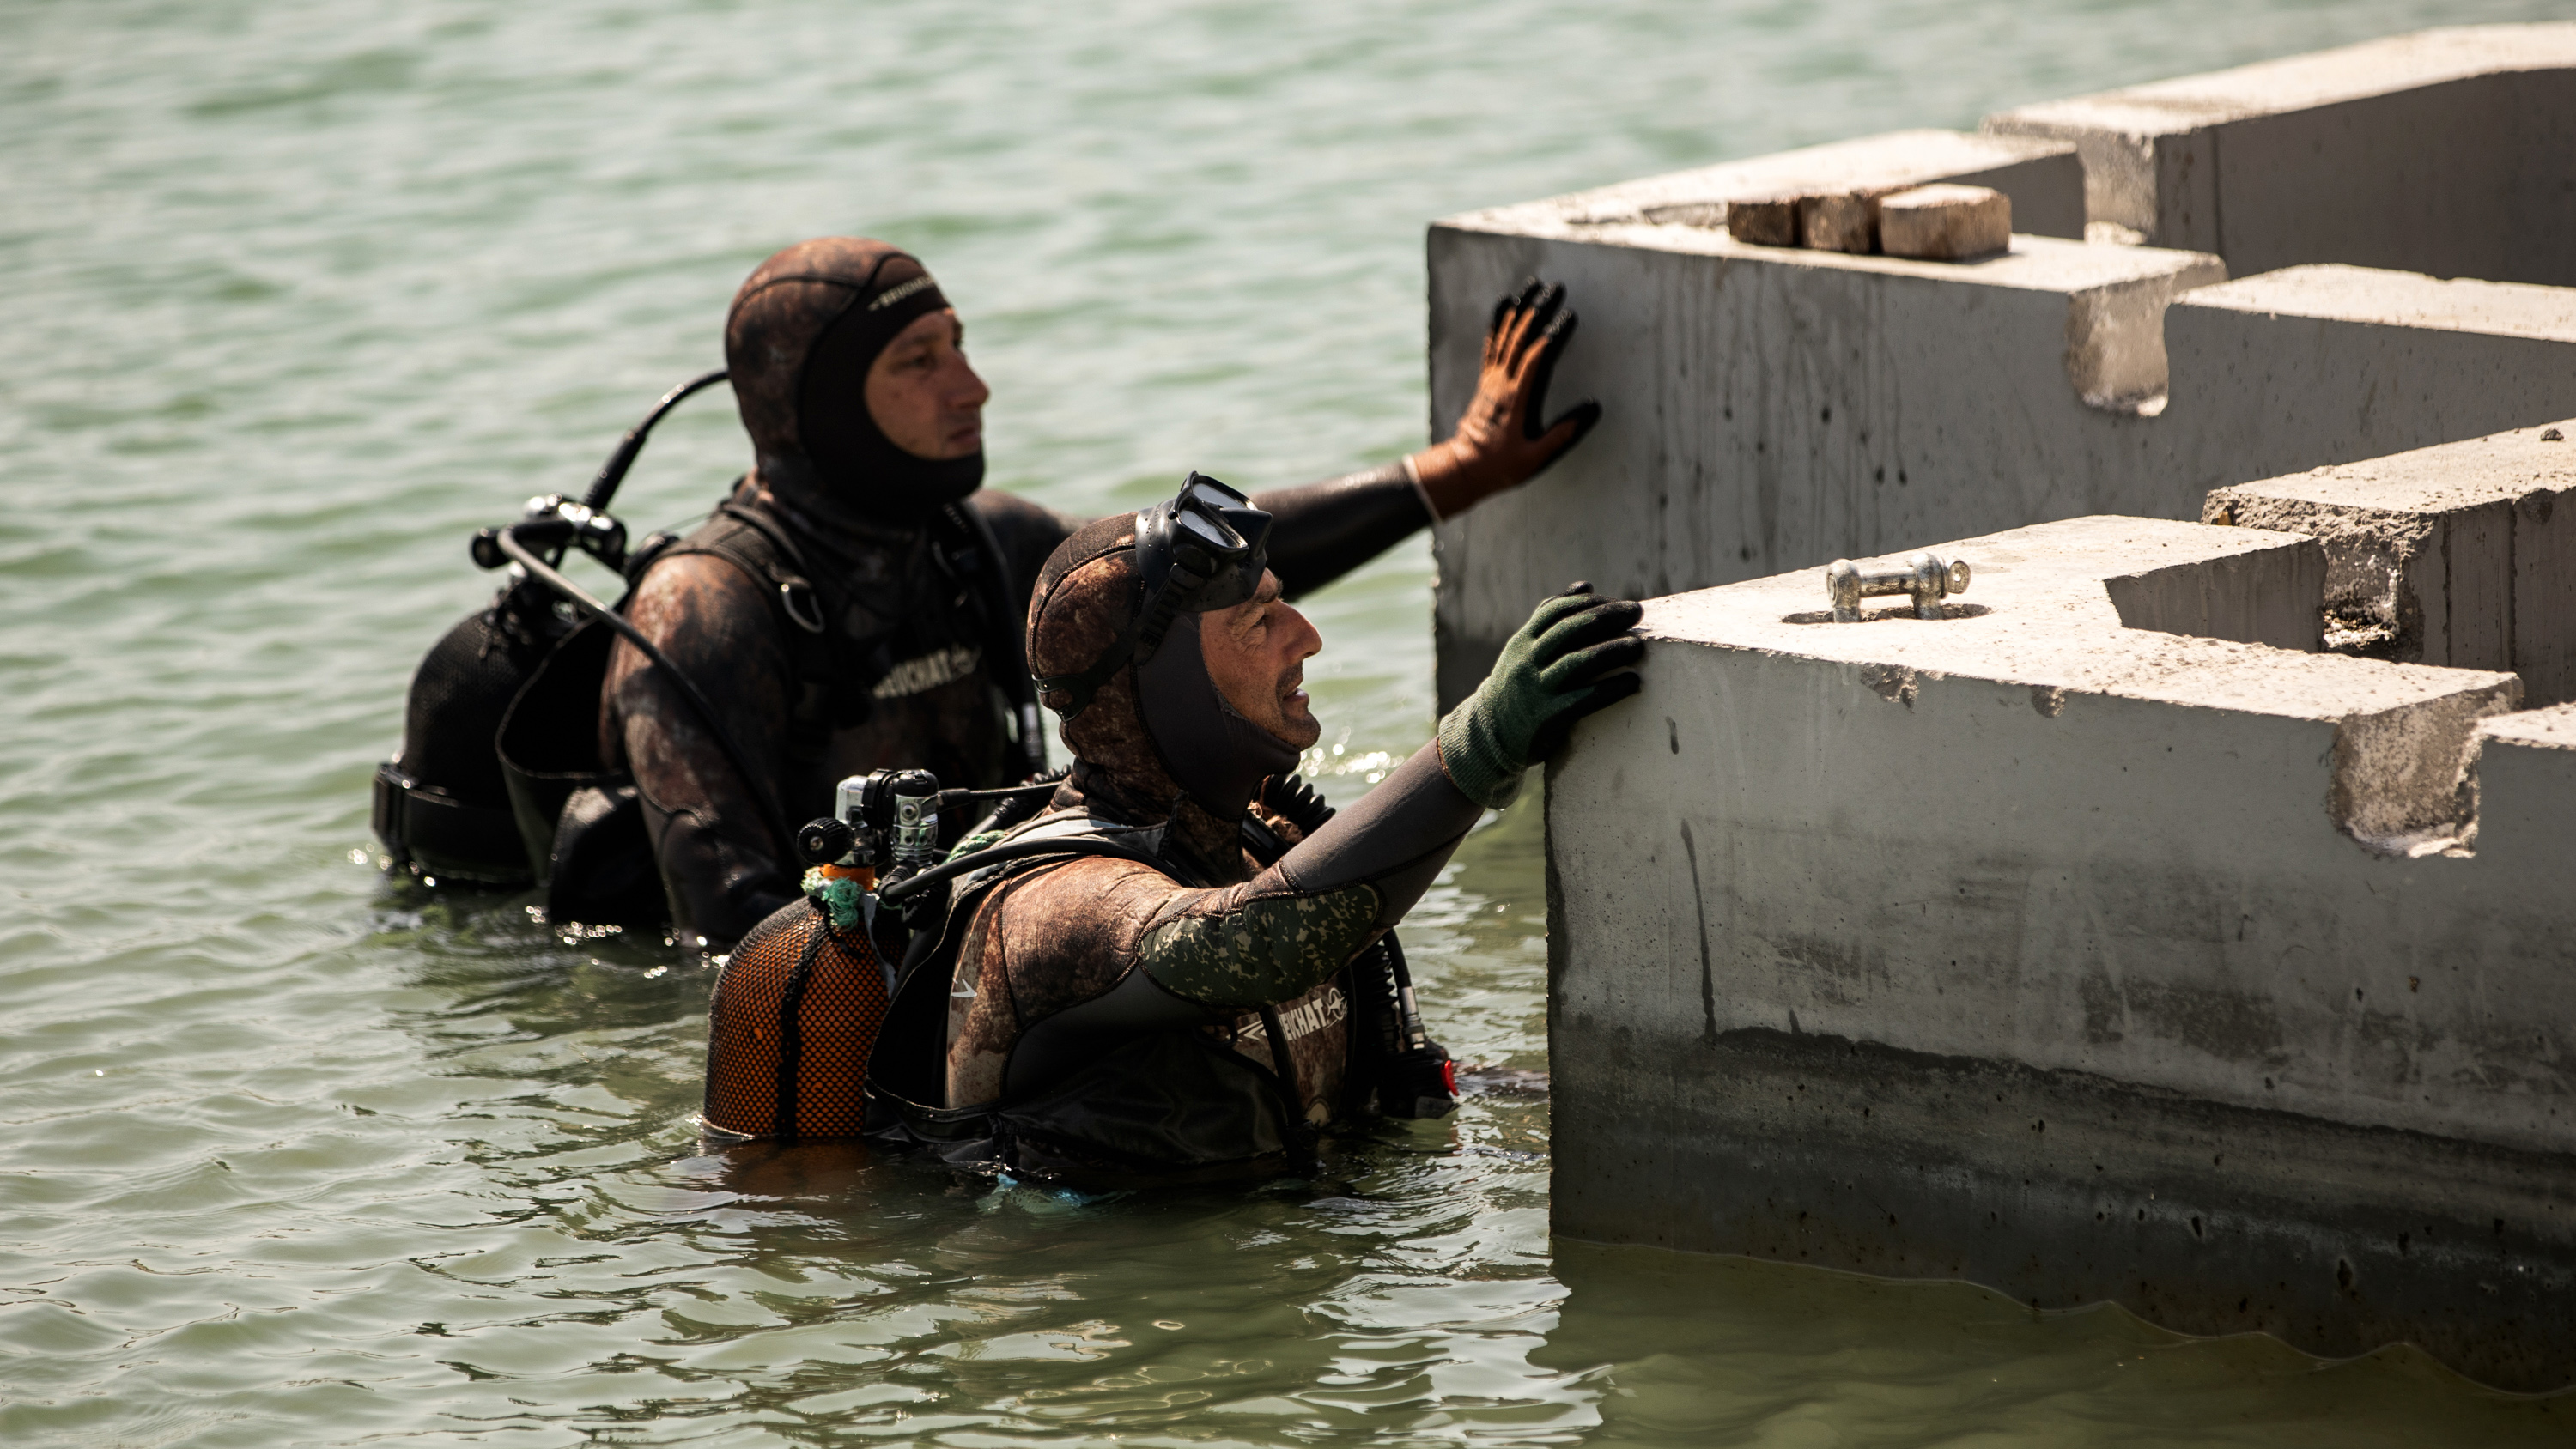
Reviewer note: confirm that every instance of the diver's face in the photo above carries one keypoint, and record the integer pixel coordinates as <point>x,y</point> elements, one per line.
<point>1256,654</point>
<point>924,397</point>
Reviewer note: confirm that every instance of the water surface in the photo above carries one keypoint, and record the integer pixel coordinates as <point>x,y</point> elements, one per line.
<point>300,293</point>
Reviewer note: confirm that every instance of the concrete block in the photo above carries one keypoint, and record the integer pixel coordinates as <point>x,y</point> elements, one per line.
<point>2043,177</point>
<point>1771,408</point>
<point>2462,554</point>
<point>1945,223</point>
<point>2334,364</point>
<point>2527,781</point>
<point>2080,960</point>
<point>2451,152</point>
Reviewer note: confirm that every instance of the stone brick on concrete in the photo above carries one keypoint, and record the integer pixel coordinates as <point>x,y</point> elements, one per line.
<point>1769,221</point>
<point>1945,223</point>
<point>2043,177</point>
<point>1843,221</point>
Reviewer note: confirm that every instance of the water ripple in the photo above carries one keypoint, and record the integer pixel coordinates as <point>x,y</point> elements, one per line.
<point>303,292</point>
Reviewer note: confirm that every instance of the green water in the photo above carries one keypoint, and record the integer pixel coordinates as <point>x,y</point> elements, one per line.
<point>297,294</point>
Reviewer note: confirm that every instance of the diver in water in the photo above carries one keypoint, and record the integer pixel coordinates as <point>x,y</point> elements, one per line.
<point>1184,1005</point>
<point>855,602</point>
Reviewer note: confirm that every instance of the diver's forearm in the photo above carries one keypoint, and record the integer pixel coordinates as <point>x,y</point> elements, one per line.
<point>1267,949</point>
<point>1395,839</point>
<point>718,882</point>
<point>717,890</point>
<point>1291,927</point>
<point>1322,531</point>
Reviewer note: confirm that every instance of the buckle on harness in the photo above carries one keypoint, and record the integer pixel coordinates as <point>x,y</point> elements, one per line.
<point>797,597</point>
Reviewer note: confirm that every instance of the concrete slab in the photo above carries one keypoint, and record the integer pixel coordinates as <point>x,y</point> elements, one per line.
<point>1770,408</point>
<point>2079,959</point>
<point>2527,781</point>
<point>2333,364</point>
<point>2449,151</point>
<point>2462,554</point>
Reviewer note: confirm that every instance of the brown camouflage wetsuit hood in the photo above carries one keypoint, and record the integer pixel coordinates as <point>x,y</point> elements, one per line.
<point>1157,742</point>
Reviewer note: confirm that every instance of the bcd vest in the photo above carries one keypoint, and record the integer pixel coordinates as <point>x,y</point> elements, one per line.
<point>1115,1090</point>
<point>551,811</point>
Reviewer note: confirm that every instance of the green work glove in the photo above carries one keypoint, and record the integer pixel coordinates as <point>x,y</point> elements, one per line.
<point>1571,658</point>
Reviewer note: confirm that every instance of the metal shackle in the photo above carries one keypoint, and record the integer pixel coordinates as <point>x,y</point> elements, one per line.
<point>1927,576</point>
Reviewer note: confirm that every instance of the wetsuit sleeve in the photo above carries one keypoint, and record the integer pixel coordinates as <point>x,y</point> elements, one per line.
<point>1324,530</point>
<point>1291,927</point>
<point>1027,533</point>
<point>723,863</point>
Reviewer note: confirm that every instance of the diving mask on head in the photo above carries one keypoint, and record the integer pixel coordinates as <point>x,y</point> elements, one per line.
<point>1205,549</point>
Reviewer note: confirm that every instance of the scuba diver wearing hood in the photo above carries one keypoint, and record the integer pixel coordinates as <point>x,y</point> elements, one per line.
<point>1106,1014</point>
<point>855,602</point>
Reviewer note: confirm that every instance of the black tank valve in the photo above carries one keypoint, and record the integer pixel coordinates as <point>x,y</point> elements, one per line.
<point>825,841</point>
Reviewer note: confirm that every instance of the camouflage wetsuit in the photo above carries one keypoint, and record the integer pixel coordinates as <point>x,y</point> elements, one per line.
<point>1107,1012</point>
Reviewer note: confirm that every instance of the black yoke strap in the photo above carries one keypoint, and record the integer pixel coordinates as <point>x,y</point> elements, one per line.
<point>809,605</point>
<point>1006,652</point>
<point>753,542</point>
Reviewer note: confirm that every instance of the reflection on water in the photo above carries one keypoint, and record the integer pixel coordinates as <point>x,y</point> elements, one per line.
<point>1691,1349</point>
<point>300,293</point>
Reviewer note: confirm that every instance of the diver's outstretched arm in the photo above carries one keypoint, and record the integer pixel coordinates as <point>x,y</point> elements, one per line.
<point>1324,530</point>
<point>1293,925</point>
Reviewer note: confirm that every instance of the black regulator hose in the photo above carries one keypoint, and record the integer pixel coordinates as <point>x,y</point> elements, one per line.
<point>613,472</point>
<point>913,885</point>
<point>581,599</point>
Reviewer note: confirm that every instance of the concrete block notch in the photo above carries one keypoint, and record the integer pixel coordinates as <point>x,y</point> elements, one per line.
<point>2462,554</point>
<point>2228,980</point>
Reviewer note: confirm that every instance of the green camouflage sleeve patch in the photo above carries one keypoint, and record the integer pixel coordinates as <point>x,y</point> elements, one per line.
<point>1270,949</point>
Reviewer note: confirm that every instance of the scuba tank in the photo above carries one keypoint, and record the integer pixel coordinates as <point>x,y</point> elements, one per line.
<point>442,805</point>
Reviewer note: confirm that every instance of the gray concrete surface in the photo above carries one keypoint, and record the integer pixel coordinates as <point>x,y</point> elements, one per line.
<point>2043,177</point>
<point>2233,982</point>
<point>2462,554</point>
<point>2451,152</point>
<point>1771,408</point>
